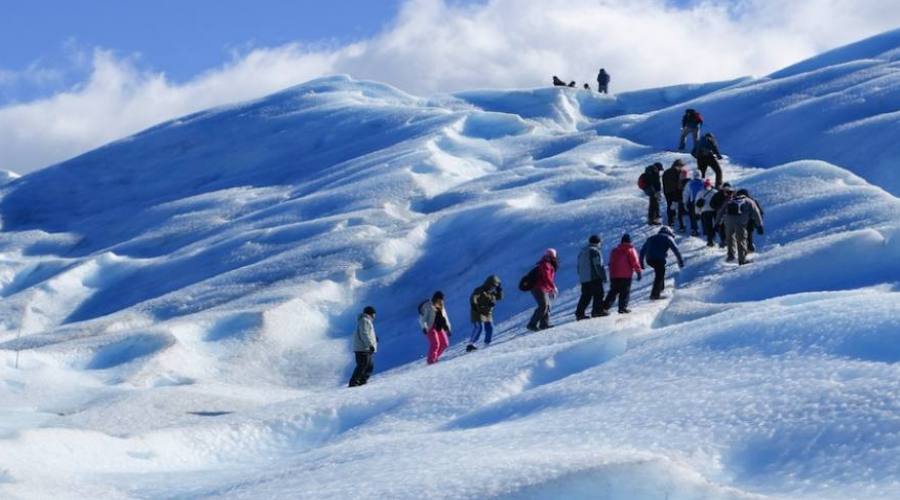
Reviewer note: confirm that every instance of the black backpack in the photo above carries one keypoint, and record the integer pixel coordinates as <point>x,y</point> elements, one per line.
<point>528,281</point>
<point>736,206</point>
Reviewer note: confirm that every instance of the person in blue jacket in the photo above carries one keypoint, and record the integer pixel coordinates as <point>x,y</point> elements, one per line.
<point>655,252</point>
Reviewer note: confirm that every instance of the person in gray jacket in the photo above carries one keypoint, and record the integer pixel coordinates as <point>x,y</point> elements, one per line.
<point>365,343</point>
<point>737,214</point>
<point>592,275</point>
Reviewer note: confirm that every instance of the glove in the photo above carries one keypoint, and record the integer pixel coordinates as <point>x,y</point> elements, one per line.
<point>639,276</point>
<point>372,349</point>
<point>760,231</point>
<point>499,289</point>
<point>681,265</point>
<point>424,331</point>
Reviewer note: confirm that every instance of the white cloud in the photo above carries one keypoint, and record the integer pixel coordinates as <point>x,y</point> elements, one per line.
<point>433,47</point>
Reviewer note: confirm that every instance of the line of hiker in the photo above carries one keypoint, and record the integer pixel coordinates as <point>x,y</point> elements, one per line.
<point>602,82</point>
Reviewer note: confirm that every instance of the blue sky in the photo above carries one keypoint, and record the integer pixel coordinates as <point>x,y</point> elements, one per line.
<point>180,37</point>
<point>75,74</point>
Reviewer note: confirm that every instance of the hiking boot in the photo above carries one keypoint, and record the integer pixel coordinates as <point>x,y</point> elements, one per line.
<point>470,348</point>
<point>624,311</point>
<point>532,328</point>
<point>600,314</point>
<point>694,232</point>
<point>751,248</point>
<point>659,297</point>
<point>654,222</point>
<point>579,317</point>
<point>682,229</point>
<point>710,244</point>
<point>730,258</point>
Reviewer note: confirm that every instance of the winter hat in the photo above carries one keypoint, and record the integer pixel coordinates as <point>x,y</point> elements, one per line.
<point>678,163</point>
<point>594,239</point>
<point>726,187</point>
<point>369,310</point>
<point>626,238</point>
<point>695,174</point>
<point>551,252</point>
<point>493,279</point>
<point>707,183</point>
<point>438,295</point>
<point>658,166</point>
<point>742,192</point>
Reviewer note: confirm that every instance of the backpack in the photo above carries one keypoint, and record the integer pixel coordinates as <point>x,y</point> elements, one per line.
<point>642,182</point>
<point>421,308</point>
<point>736,206</point>
<point>528,281</point>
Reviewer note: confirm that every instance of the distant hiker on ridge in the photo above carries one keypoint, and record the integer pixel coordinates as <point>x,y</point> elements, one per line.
<point>691,122</point>
<point>587,87</point>
<point>435,325</point>
<point>655,251</point>
<point>671,183</point>
<point>592,275</point>
<point>623,263</point>
<point>558,83</point>
<point>541,282</point>
<point>365,343</point>
<point>481,306</point>
<point>650,184</point>
<point>707,154</point>
<point>603,81</point>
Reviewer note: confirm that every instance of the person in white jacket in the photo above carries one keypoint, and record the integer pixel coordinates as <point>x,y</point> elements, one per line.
<point>692,190</point>
<point>435,325</point>
<point>703,203</point>
<point>365,343</point>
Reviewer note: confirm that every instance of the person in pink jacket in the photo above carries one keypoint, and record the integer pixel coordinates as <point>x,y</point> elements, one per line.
<point>623,262</point>
<point>544,290</point>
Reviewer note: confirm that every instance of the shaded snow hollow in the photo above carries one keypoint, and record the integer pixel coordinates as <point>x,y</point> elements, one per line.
<point>182,300</point>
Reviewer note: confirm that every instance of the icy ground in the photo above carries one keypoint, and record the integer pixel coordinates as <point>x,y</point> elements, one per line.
<point>180,302</point>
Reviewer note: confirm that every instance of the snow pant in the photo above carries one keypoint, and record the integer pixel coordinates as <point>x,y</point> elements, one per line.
<point>620,287</point>
<point>541,317</point>
<point>437,343</point>
<point>709,226</point>
<point>477,327</point>
<point>659,277</point>
<point>692,216</point>
<point>364,368</point>
<point>693,132</point>
<point>592,291</point>
<point>603,88</point>
<point>674,198</point>
<point>653,208</point>
<point>736,236</point>
<point>705,162</point>
<point>751,226</point>
<point>722,239</point>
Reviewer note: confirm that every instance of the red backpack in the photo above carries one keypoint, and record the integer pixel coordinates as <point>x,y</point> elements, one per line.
<point>642,182</point>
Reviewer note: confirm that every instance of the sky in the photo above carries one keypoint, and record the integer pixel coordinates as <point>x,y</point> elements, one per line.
<point>76,75</point>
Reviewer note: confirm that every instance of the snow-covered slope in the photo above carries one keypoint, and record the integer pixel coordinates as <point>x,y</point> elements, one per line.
<point>177,305</point>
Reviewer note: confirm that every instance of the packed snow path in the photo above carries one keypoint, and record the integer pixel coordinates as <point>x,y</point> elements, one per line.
<point>183,299</point>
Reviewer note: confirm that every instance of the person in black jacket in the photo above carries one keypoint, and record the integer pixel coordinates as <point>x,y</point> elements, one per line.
<point>691,122</point>
<point>672,189</point>
<point>558,83</point>
<point>718,201</point>
<point>603,81</point>
<point>653,190</point>
<point>707,154</point>
<point>655,251</point>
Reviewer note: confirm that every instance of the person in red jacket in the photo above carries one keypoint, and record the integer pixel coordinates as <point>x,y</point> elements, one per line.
<point>544,290</point>
<point>623,262</point>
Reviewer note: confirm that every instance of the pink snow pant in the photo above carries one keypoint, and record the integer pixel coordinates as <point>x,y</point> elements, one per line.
<point>437,342</point>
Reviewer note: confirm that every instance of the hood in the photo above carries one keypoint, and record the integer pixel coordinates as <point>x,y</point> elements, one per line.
<point>666,230</point>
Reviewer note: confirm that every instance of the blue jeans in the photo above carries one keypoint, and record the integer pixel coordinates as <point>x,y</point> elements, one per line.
<point>477,328</point>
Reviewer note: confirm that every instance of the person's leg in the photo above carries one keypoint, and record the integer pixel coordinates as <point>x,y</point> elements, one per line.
<point>722,239</point>
<point>597,308</point>
<point>443,343</point>
<point>545,308</point>
<point>659,278</point>
<point>488,332</point>
<point>356,377</point>
<point>671,202</point>
<point>476,332</point>
<point>624,294</point>
<point>583,301</point>
<point>681,213</point>
<point>751,226</point>
<point>695,135</point>
<point>433,346</point>
<point>702,166</point>
<point>538,310</point>
<point>730,239</point>
<point>371,367</point>
<point>681,140</point>
<point>740,237</point>
<point>707,218</point>
<point>714,163</point>
<point>611,295</point>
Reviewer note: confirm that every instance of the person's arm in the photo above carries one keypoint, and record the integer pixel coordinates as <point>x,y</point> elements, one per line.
<point>643,254</point>
<point>715,148</point>
<point>371,339</point>
<point>634,262</point>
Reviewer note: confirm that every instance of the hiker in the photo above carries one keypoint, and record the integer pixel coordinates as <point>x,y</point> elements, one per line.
<point>481,306</point>
<point>691,122</point>
<point>587,87</point>
<point>365,343</point>
<point>707,154</point>
<point>649,182</point>
<point>435,325</point>
<point>654,252</point>
<point>751,226</point>
<point>572,84</point>
<point>737,214</point>
<point>623,263</point>
<point>544,289</point>
<point>708,214</point>
<point>557,82</point>
<point>592,275</point>
<point>671,183</point>
<point>603,81</point>
<point>690,194</point>
<point>718,201</point>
